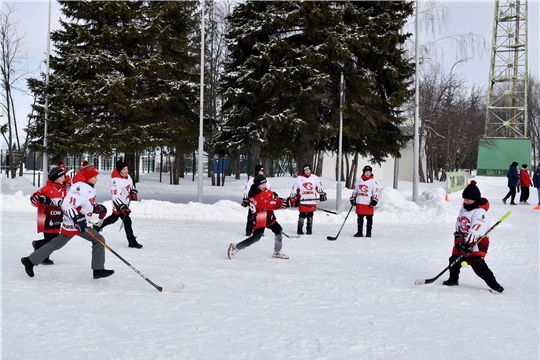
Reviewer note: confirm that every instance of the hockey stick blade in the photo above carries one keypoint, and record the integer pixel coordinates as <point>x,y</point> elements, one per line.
<point>332,238</point>
<point>172,289</point>
<point>423,281</point>
<point>291,236</point>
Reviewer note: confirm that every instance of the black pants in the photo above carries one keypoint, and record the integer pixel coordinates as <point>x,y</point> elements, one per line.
<point>524,194</point>
<point>249,223</point>
<point>111,219</point>
<point>479,267</point>
<point>360,222</point>
<point>511,194</point>
<point>257,234</point>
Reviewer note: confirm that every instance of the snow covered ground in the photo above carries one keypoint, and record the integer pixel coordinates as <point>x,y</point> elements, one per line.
<point>353,298</point>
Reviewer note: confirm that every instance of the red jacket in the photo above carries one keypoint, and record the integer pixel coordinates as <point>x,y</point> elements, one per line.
<point>263,205</point>
<point>524,178</point>
<point>49,218</point>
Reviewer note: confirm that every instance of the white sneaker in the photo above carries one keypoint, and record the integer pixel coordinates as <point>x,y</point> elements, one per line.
<point>280,255</point>
<point>526,203</point>
<point>232,250</point>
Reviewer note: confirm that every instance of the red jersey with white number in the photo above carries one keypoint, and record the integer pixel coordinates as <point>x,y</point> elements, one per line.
<point>80,198</point>
<point>120,189</point>
<point>472,224</point>
<point>262,206</point>
<point>307,187</point>
<point>49,218</point>
<point>365,190</point>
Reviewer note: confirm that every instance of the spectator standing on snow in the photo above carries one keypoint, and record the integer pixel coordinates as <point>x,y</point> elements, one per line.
<point>536,181</point>
<point>365,197</point>
<point>259,170</point>
<point>263,203</point>
<point>526,183</point>
<point>472,223</point>
<point>48,201</point>
<point>513,178</point>
<point>122,192</point>
<point>306,190</point>
<point>77,208</point>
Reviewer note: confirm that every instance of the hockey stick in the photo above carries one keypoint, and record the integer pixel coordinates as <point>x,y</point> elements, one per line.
<point>291,236</point>
<point>122,225</point>
<point>429,281</point>
<point>170,289</point>
<point>331,238</point>
<point>338,211</point>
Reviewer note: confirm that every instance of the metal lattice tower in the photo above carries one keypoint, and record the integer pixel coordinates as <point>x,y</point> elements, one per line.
<point>508,78</point>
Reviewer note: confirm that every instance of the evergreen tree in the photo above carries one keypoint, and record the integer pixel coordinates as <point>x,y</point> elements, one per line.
<point>282,80</point>
<point>123,77</point>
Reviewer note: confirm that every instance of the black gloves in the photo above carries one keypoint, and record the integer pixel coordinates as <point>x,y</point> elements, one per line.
<point>80,222</point>
<point>352,200</point>
<point>40,198</point>
<point>464,247</point>
<point>245,202</point>
<point>373,203</point>
<point>285,203</point>
<point>133,194</point>
<point>101,210</point>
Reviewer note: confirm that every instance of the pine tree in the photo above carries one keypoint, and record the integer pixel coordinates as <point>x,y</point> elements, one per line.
<point>123,77</point>
<point>282,80</point>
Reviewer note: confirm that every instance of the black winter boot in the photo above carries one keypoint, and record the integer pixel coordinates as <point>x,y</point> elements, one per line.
<point>299,230</point>
<point>98,274</point>
<point>369,225</point>
<point>360,223</point>
<point>133,243</point>
<point>450,282</point>
<point>28,266</point>
<point>454,272</point>
<point>309,225</point>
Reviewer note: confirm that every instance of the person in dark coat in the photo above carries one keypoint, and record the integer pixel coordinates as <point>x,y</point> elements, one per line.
<point>513,179</point>
<point>536,181</point>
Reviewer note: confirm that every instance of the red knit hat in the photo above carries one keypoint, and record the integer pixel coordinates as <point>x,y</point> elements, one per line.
<point>88,171</point>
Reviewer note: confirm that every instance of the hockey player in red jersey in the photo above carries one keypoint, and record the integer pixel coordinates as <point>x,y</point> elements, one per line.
<point>259,170</point>
<point>262,205</point>
<point>48,201</point>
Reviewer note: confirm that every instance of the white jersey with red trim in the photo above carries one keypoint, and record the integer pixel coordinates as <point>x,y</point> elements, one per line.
<point>81,198</point>
<point>307,187</point>
<point>120,189</point>
<point>365,190</point>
